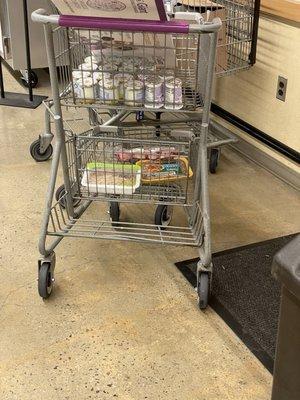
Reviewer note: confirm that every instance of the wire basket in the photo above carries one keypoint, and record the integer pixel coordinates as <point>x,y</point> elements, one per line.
<point>134,165</point>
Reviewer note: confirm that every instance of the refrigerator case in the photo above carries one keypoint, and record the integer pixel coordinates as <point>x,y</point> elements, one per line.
<point>13,33</point>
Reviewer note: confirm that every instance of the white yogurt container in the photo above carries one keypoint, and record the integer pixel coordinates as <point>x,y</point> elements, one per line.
<point>134,93</point>
<point>108,91</point>
<point>86,89</point>
<point>96,51</point>
<point>80,75</point>
<point>121,79</point>
<point>88,67</point>
<point>109,67</point>
<point>173,93</point>
<point>90,60</point>
<point>154,93</point>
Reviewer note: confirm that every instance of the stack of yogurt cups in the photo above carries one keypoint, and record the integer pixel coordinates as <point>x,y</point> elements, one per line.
<point>104,78</point>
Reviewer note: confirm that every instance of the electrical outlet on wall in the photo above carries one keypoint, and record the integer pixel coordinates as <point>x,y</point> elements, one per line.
<point>281,88</point>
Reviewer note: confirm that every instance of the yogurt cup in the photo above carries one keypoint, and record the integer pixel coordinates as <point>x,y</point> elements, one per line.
<point>121,79</point>
<point>134,93</point>
<point>86,89</point>
<point>154,93</point>
<point>108,91</point>
<point>173,94</point>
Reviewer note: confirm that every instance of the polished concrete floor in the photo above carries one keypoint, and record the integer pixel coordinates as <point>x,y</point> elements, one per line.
<point>122,322</point>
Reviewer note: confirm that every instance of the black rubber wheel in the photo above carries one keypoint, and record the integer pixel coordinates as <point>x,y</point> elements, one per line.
<point>203,290</point>
<point>34,80</point>
<point>36,153</point>
<point>163,216</point>
<point>114,212</point>
<point>213,160</point>
<point>60,196</point>
<point>45,280</point>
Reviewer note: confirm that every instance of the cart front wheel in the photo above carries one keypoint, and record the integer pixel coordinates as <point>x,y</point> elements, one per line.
<point>45,280</point>
<point>60,196</point>
<point>114,212</point>
<point>37,155</point>
<point>203,290</point>
<point>163,216</point>
<point>214,160</point>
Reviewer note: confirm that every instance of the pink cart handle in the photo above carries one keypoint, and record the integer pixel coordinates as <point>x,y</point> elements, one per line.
<point>115,24</point>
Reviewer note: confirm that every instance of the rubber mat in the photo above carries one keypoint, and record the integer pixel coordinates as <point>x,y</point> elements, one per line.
<point>245,294</point>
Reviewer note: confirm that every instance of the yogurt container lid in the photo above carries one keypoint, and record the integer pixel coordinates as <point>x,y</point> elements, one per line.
<point>108,84</point>
<point>134,85</point>
<point>97,76</point>
<point>88,82</point>
<point>89,59</point>
<point>173,82</point>
<point>122,77</point>
<point>96,46</point>
<point>80,74</point>
<point>88,66</point>
<point>153,81</point>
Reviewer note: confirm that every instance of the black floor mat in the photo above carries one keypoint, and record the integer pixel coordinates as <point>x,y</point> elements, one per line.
<point>245,294</point>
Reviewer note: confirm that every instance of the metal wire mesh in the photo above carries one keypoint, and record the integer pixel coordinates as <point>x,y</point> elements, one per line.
<point>188,232</point>
<point>236,35</point>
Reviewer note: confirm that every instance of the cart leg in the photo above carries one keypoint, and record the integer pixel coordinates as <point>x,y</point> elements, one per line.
<point>59,129</point>
<point>60,153</point>
<point>49,197</point>
<point>204,267</point>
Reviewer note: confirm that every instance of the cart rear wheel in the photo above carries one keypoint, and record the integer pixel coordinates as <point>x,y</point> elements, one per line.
<point>45,280</point>
<point>36,153</point>
<point>114,212</point>
<point>203,290</point>
<point>60,196</point>
<point>163,216</point>
<point>34,80</point>
<point>214,160</point>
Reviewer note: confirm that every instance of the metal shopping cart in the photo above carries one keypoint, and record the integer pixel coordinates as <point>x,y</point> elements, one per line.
<point>103,73</point>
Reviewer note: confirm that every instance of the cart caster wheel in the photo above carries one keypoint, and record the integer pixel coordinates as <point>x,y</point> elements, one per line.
<point>34,80</point>
<point>203,290</point>
<point>59,195</point>
<point>163,216</point>
<point>36,153</point>
<point>214,160</point>
<point>45,280</point>
<point>114,212</point>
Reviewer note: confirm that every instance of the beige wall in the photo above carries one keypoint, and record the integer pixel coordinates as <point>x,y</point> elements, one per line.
<point>251,94</point>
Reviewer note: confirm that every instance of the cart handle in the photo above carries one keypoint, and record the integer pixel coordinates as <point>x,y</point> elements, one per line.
<point>125,24</point>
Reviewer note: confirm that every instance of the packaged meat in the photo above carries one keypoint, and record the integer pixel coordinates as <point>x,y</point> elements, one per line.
<point>111,178</point>
<point>146,153</point>
<point>156,172</point>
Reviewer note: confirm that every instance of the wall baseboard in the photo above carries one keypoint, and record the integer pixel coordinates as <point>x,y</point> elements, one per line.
<point>266,161</point>
<point>282,171</point>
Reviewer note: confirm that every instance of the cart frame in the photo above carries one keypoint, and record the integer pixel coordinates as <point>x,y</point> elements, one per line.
<point>200,214</point>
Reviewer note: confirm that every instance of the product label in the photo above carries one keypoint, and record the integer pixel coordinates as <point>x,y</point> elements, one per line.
<point>127,9</point>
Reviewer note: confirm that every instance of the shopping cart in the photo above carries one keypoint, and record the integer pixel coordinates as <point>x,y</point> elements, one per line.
<point>104,73</point>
